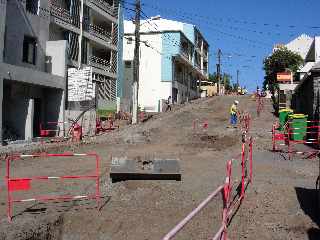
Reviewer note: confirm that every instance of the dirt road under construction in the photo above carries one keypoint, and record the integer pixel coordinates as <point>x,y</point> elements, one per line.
<point>279,204</point>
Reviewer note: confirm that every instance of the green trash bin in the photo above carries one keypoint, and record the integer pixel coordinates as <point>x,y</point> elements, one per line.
<point>298,125</point>
<point>283,117</point>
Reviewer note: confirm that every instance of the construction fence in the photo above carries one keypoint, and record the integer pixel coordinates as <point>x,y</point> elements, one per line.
<point>302,140</point>
<point>22,188</point>
<point>243,163</point>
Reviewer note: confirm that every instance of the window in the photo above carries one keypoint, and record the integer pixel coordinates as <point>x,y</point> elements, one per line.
<point>127,64</point>
<point>29,50</point>
<point>32,6</point>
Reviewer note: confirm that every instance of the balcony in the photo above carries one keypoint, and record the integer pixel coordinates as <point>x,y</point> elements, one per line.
<point>99,33</point>
<point>100,63</point>
<point>184,53</point>
<point>197,65</point>
<point>60,13</point>
<point>105,6</point>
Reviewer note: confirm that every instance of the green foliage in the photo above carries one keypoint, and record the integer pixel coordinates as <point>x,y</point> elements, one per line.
<point>225,79</point>
<point>104,112</point>
<point>281,60</point>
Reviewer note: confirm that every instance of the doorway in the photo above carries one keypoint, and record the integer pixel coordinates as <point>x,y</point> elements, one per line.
<point>36,117</point>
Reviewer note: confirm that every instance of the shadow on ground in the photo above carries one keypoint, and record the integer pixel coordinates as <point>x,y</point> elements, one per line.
<point>309,203</point>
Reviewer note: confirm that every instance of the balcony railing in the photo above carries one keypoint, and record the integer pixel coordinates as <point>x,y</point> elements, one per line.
<point>184,53</point>
<point>99,32</point>
<point>197,65</point>
<point>106,7</point>
<point>100,63</point>
<point>60,13</point>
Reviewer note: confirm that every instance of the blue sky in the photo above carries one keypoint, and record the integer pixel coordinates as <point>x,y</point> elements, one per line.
<point>244,30</point>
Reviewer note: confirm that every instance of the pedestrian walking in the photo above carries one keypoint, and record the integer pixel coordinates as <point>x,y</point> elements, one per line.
<point>169,103</point>
<point>233,113</point>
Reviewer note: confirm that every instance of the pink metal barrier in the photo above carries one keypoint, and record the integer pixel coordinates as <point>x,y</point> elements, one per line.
<point>226,191</point>
<point>245,121</point>
<point>278,136</point>
<point>312,137</point>
<point>24,184</point>
<point>312,133</point>
<point>259,104</point>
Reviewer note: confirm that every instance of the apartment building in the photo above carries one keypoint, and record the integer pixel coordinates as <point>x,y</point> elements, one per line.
<point>174,58</point>
<point>40,41</point>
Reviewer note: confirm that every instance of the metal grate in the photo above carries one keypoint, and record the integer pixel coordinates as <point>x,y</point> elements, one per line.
<point>106,87</point>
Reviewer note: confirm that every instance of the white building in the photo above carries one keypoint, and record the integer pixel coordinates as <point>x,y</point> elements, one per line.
<point>308,48</point>
<point>173,57</point>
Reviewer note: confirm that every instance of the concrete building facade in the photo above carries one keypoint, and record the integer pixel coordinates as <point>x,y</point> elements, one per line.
<point>39,41</point>
<point>173,57</point>
<point>306,98</point>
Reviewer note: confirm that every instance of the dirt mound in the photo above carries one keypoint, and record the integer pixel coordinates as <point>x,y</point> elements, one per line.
<point>211,142</point>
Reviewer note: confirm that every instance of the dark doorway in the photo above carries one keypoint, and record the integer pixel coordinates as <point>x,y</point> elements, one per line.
<point>174,95</point>
<point>36,117</point>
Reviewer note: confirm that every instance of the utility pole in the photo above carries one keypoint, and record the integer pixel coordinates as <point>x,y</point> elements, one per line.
<point>238,78</point>
<point>80,36</point>
<point>218,71</point>
<point>136,64</point>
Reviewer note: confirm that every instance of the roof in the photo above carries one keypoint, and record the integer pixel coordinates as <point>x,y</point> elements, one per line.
<point>316,67</point>
<point>156,24</point>
<point>307,67</point>
<point>301,45</point>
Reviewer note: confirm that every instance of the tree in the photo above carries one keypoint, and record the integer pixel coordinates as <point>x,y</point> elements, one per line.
<point>225,79</point>
<point>279,61</point>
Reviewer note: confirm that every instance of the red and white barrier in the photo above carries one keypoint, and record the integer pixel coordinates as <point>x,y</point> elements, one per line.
<point>226,191</point>
<point>312,131</point>
<point>52,129</point>
<point>286,137</point>
<point>24,184</point>
<point>196,124</point>
<point>259,104</point>
<point>245,122</point>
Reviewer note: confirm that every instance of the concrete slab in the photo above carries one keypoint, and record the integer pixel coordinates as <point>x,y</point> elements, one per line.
<point>137,169</point>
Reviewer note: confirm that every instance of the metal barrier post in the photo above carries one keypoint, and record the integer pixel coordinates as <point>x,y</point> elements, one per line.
<point>243,170</point>
<point>273,138</point>
<point>288,140</point>
<point>250,152</point>
<point>8,190</point>
<point>98,195</point>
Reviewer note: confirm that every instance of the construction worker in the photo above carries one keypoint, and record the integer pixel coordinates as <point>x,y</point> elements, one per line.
<point>233,113</point>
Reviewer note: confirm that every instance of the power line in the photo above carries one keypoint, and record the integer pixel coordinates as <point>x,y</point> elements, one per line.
<point>231,19</point>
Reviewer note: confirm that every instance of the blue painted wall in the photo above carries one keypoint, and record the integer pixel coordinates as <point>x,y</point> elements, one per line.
<point>170,47</point>
<point>120,67</point>
<point>188,30</point>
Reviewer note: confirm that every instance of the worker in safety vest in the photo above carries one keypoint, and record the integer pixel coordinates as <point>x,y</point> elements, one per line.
<point>233,113</point>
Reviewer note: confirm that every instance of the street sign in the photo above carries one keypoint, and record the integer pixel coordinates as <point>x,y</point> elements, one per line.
<point>284,77</point>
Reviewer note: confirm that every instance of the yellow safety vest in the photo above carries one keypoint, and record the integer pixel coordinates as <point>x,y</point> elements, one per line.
<point>233,109</point>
